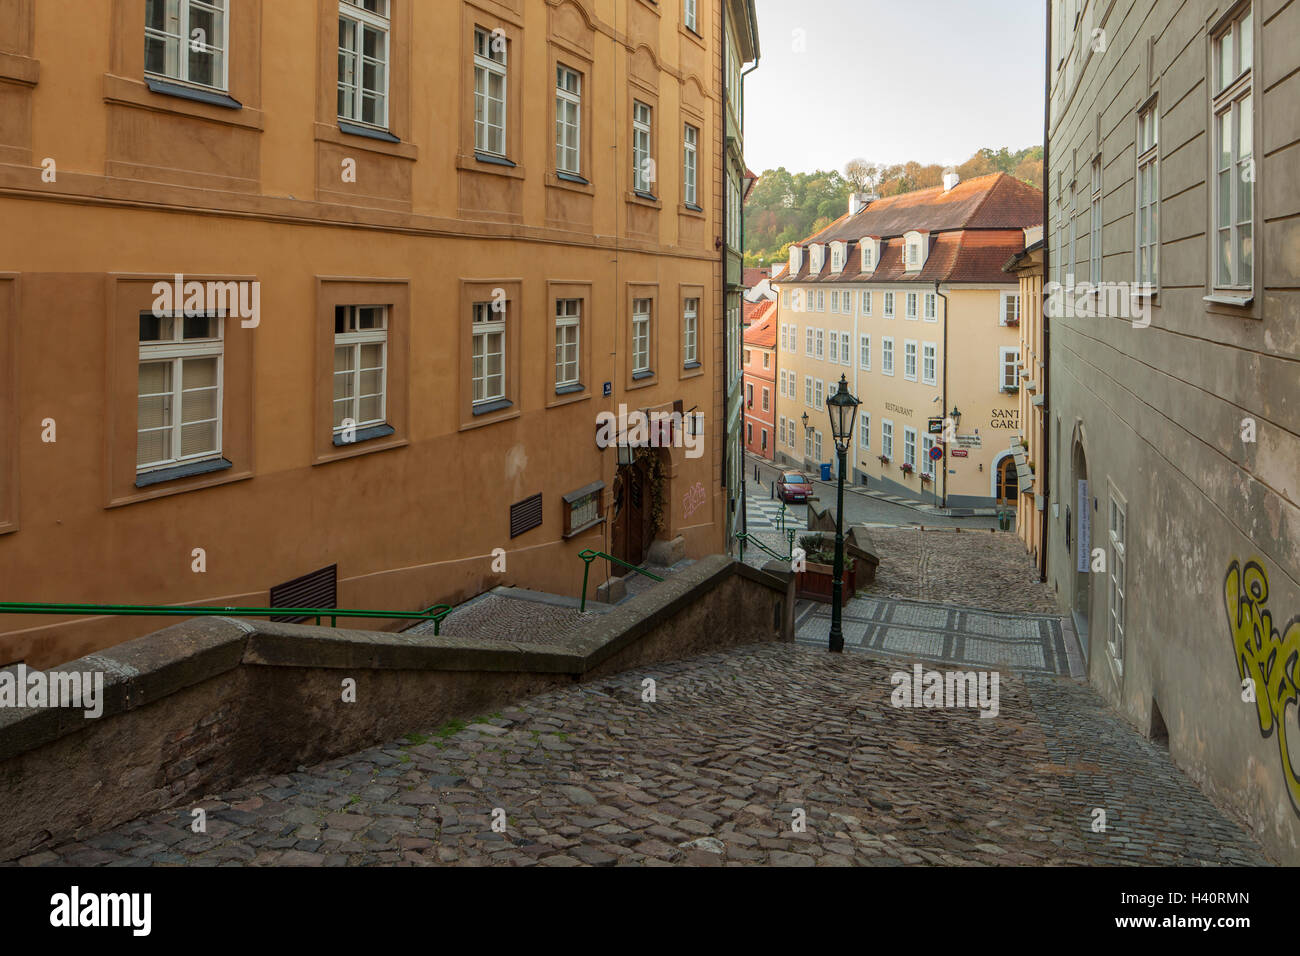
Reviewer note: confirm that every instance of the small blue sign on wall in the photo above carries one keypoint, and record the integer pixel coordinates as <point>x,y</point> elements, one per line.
<point>609,389</point>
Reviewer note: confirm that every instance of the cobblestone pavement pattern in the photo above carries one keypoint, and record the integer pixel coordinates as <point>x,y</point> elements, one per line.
<point>711,773</point>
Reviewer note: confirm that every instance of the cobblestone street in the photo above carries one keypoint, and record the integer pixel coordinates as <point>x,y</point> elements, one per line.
<point>714,771</point>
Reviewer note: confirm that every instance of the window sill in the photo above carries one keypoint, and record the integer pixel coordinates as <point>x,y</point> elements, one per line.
<point>487,408</point>
<point>337,135</point>
<point>570,182</point>
<point>1243,301</point>
<point>570,389</point>
<point>641,376</point>
<point>369,132</point>
<point>212,97</point>
<point>638,198</point>
<point>693,35</point>
<point>187,470</point>
<point>692,365</point>
<point>690,209</point>
<point>121,91</point>
<point>489,165</point>
<point>16,68</point>
<point>364,434</point>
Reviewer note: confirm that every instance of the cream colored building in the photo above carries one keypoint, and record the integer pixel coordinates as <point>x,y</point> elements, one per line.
<point>1031,461</point>
<point>905,297</point>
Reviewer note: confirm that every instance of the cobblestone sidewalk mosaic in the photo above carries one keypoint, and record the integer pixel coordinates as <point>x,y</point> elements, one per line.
<point>912,630</point>
<point>713,772</point>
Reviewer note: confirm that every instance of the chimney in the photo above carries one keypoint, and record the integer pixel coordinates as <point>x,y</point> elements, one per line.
<point>858,202</point>
<point>950,179</point>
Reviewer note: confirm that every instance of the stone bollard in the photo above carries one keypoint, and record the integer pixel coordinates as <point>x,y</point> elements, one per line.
<point>782,571</point>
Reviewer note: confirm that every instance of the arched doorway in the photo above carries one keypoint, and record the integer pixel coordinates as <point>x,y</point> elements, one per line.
<point>1079,534</point>
<point>1007,488</point>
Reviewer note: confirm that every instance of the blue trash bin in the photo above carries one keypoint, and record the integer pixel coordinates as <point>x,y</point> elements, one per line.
<point>826,471</point>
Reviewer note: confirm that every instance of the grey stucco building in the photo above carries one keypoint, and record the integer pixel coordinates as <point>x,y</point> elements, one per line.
<point>1173,411</point>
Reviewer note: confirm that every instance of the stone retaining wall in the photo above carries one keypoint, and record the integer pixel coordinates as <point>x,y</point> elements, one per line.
<point>207,702</point>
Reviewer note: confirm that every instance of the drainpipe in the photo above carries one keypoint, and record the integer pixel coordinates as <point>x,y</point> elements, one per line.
<point>744,462</point>
<point>945,390</point>
<point>1042,308</point>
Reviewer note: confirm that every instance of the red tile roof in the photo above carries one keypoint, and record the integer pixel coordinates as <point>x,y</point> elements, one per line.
<point>974,228</point>
<point>755,311</point>
<point>753,277</point>
<point>762,334</point>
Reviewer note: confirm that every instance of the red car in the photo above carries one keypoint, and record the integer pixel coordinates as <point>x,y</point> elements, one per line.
<point>794,486</point>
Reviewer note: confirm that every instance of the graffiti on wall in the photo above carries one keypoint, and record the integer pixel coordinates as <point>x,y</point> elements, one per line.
<point>1266,658</point>
<point>694,499</point>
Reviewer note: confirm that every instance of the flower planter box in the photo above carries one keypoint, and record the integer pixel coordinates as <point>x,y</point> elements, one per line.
<point>818,581</point>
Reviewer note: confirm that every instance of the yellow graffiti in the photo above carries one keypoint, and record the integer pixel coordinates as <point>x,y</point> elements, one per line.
<point>1265,656</point>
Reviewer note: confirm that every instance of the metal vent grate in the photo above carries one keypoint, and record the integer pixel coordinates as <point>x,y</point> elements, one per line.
<point>525,515</point>
<point>317,589</point>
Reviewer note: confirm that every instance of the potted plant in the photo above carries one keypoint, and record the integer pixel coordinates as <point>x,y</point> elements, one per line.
<point>884,459</point>
<point>925,479</point>
<point>817,581</point>
<point>905,468</point>
<point>1009,389</point>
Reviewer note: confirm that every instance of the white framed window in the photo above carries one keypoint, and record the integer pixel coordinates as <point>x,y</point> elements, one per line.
<point>1010,309</point>
<point>1234,167</point>
<point>808,391</point>
<point>691,163</point>
<point>1094,224</point>
<point>866,257</point>
<point>808,442</point>
<point>864,352</point>
<point>909,446</point>
<point>808,340</point>
<point>819,393</point>
<point>821,300</point>
<point>489,92</point>
<point>1148,197</point>
<point>568,121</point>
<point>817,446</point>
<point>363,62</point>
<point>866,302</point>
<point>1074,225</point>
<point>767,399</point>
<point>1116,583</point>
<point>178,397</point>
<point>1008,368</point>
<point>690,16</point>
<point>691,332</point>
<point>185,40</point>
<point>911,305</point>
<point>794,338</point>
<point>927,463</point>
<point>835,300</point>
<point>641,315</point>
<point>889,305</point>
<point>909,360</point>
<point>785,298</point>
<point>780,429</point>
<point>642,156</point>
<point>864,432</point>
<point>489,355</point>
<point>821,343</point>
<point>784,332</point>
<point>845,356</point>
<point>568,330</point>
<point>835,346</point>
<point>887,355</point>
<point>931,314</point>
<point>913,256</point>
<point>360,365</point>
<point>887,438</point>
<point>929,363</point>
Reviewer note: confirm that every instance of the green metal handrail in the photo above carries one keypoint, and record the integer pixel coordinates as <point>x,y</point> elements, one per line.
<point>589,556</point>
<point>436,613</point>
<point>746,536</point>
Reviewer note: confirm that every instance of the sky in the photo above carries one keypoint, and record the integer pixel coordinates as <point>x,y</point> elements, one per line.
<point>893,80</point>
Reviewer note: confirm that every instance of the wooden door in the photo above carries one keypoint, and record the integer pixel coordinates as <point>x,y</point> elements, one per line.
<point>1008,482</point>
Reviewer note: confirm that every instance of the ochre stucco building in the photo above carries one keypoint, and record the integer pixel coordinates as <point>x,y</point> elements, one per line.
<point>467,228</point>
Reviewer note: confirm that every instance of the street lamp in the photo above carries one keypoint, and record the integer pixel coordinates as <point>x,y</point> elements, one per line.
<point>843,409</point>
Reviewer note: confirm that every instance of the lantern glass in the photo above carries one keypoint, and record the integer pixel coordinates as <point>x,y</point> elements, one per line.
<point>843,410</point>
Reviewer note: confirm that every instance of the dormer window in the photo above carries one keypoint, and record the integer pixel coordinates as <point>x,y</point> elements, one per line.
<point>916,246</point>
<point>796,259</point>
<point>837,257</point>
<point>870,253</point>
<point>815,263</point>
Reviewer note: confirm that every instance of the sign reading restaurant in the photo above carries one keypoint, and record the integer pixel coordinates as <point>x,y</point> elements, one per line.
<point>891,407</point>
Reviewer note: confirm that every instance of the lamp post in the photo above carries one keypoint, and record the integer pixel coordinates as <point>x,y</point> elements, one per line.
<point>843,410</point>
